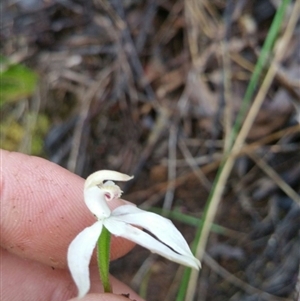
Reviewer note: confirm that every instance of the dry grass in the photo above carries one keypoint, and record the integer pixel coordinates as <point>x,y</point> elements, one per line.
<point>153,89</point>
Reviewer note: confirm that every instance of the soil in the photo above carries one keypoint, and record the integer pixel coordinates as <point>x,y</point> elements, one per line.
<point>149,88</point>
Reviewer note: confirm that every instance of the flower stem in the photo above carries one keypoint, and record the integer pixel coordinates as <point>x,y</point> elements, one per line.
<point>103,254</point>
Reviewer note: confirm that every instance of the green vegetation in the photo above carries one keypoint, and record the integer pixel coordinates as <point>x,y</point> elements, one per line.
<point>21,129</point>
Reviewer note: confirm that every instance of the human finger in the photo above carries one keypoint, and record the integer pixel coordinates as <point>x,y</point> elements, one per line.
<point>104,297</point>
<point>42,209</point>
<point>28,280</point>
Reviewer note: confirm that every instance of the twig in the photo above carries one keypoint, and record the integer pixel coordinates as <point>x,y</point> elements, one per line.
<point>160,125</point>
<point>193,164</point>
<point>86,99</point>
<point>146,25</point>
<point>171,167</point>
<point>228,113</point>
<point>238,282</point>
<point>131,52</point>
<point>275,177</point>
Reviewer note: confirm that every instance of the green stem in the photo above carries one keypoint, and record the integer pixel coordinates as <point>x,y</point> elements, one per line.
<point>103,254</point>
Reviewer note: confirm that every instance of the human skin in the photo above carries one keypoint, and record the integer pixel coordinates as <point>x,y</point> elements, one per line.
<point>41,212</point>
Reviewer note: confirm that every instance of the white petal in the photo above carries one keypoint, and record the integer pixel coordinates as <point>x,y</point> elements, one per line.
<point>94,198</point>
<point>138,236</point>
<point>79,256</point>
<point>160,227</point>
<point>98,177</point>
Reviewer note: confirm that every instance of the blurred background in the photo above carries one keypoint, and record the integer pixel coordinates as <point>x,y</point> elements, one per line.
<point>157,89</point>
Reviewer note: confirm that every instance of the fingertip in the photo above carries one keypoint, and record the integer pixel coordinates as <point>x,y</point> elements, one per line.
<point>42,209</point>
<point>105,297</point>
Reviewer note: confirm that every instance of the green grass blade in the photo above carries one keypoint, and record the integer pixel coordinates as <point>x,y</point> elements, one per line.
<point>263,60</point>
<point>260,65</point>
<point>194,221</point>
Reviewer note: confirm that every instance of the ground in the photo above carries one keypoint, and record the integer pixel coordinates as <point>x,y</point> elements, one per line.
<point>153,88</point>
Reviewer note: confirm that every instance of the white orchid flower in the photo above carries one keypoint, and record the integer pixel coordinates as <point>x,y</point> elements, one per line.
<point>126,221</point>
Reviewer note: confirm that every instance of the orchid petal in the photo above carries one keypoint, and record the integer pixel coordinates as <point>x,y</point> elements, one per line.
<point>95,200</point>
<point>79,256</point>
<point>160,227</point>
<point>140,237</point>
<point>98,177</point>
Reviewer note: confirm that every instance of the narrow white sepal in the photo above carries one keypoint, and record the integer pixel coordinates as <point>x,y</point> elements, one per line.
<point>119,228</point>
<point>160,227</point>
<point>98,177</point>
<point>79,256</point>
